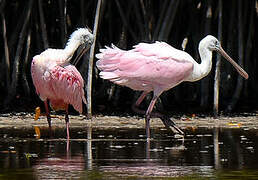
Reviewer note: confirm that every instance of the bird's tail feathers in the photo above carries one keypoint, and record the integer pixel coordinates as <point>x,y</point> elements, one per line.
<point>111,76</point>
<point>108,75</point>
<point>84,100</point>
<point>108,53</point>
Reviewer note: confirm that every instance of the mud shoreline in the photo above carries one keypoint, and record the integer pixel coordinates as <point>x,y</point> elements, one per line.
<point>26,120</point>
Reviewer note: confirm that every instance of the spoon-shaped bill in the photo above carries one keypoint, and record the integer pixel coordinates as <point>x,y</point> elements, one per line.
<point>238,68</point>
<point>83,50</point>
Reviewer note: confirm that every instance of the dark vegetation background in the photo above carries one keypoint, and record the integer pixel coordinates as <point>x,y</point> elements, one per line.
<point>29,27</point>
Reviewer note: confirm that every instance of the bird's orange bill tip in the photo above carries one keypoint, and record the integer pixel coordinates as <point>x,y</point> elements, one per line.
<point>37,113</point>
<point>37,132</point>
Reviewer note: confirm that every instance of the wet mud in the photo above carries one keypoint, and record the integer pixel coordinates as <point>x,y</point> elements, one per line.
<point>26,120</point>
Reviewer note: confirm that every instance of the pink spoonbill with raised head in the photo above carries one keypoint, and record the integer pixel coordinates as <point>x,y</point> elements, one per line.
<point>58,81</point>
<point>158,67</point>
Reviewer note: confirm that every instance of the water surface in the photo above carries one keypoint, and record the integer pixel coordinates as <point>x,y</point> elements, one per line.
<point>30,153</point>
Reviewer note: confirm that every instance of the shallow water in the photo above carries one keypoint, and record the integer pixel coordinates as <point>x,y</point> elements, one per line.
<point>125,154</point>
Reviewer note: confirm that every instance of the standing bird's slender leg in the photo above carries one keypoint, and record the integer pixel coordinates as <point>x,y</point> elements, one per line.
<point>48,117</point>
<point>67,128</point>
<point>148,115</point>
<point>135,106</point>
<point>140,99</point>
<point>166,121</point>
<point>67,122</point>
<point>47,113</point>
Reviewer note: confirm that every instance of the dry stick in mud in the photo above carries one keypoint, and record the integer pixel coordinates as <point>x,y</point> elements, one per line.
<point>90,68</point>
<point>218,65</point>
<point>17,59</point>
<point>6,50</point>
<point>42,25</point>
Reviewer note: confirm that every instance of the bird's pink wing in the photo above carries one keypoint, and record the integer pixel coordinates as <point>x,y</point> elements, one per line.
<point>147,67</point>
<point>41,80</point>
<point>35,76</point>
<point>67,85</point>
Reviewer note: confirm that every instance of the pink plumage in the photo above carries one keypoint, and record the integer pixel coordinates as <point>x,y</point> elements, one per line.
<point>157,67</point>
<point>153,67</point>
<point>58,81</point>
<point>61,85</point>
<point>147,67</point>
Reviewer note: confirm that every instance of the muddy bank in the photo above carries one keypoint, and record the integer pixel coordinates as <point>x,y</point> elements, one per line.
<point>26,120</point>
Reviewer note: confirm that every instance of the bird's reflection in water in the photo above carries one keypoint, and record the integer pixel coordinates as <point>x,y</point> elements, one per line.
<point>68,164</point>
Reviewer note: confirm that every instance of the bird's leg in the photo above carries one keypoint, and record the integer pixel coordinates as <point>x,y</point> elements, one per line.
<point>140,99</point>
<point>48,117</point>
<point>148,115</point>
<point>169,123</point>
<point>67,122</point>
<point>135,107</point>
<point>166,121</point>
<point>47,113</point>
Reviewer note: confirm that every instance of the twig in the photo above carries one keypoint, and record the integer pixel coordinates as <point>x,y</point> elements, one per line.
<point>43,25</point>
<point>90,68</point>
<point>239,86</point>
<point>249,47</point>
<point>6,50</point>
<point>63,27</point>
<point>125,21</point>
<point>168,20</point>
<point>218,62</point>
<point>25,83</point>
<point>17,58</point>
<point>205,82</point>
<point>138,17</point>
<point>2,5</point>
<point>160,19</point>
<point>146,20</point>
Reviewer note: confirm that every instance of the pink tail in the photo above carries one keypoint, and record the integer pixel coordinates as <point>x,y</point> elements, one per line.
<point>108,62</point>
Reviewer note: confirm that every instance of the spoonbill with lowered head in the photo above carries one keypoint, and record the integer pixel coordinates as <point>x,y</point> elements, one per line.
<point>58,81</point>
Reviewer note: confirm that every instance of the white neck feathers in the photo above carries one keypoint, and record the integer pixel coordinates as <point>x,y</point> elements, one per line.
<point>201,70</point>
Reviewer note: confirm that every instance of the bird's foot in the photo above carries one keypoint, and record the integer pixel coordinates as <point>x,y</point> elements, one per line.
<point>169,123</point>
<point>49,121</point>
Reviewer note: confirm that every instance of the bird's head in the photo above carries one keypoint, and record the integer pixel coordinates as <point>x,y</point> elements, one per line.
<point>213,44</point>
<point>83,36</point>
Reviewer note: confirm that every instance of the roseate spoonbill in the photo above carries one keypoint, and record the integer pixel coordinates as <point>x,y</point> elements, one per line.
<point>158,67</point>
<point>58,81</point>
